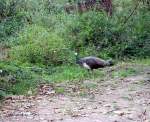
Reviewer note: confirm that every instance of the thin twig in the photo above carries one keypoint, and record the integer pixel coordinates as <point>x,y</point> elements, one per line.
<point>133,11</point>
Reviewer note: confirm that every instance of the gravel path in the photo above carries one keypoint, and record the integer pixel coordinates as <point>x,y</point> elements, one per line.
<point>122,100</point>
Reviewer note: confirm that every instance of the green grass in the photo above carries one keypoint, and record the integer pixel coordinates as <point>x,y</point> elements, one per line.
<point>19,78</point>
<point>142,61</point>
<point>71,73</point>
<point>131,67</point>
<point>68,73</point>
<point>16,78</point>
<point>124,73</point>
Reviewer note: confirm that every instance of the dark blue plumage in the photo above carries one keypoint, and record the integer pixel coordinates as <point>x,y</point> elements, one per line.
<point>92,62</point>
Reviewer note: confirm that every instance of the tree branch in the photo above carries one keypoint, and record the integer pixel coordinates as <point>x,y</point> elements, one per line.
<point>130,15</point>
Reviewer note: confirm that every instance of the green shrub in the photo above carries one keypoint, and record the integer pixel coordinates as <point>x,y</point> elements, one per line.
<point>11,18</point>
<point>109,37</point>
<point>38,45</point>
<point>2,94</point>
<point>16,79</point>
<point>106,36</point>
<point>14,14</point>
<point>94,30</point>
<point>139,34</point>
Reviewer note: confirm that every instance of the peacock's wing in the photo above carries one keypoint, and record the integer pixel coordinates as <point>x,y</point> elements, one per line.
<point>95,62</point>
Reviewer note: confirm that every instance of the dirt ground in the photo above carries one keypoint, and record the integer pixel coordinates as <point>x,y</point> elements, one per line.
<point>118,100</point>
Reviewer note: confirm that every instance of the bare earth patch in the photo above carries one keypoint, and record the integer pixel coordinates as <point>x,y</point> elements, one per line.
<point>120,100</point>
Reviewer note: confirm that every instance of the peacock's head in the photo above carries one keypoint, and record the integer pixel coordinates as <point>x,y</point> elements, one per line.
<point>110,62</point>
<point>76,54</point>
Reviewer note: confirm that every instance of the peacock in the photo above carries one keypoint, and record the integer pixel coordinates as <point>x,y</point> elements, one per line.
<point>92,62</point>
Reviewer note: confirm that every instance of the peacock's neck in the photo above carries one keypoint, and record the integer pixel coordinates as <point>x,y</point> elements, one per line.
<point>107,63</point>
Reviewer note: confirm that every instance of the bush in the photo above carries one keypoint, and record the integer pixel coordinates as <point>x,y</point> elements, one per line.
<point>106,36</point>
<point>11,19</point>
<point>94,30</point>
<point>139,34</point>
<point>38,45</point>
<point>15,14</point>
<point>16,79</point>
<point>109,37</point>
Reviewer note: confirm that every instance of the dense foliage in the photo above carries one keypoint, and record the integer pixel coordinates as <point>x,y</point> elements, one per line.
<point>108,36</point>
